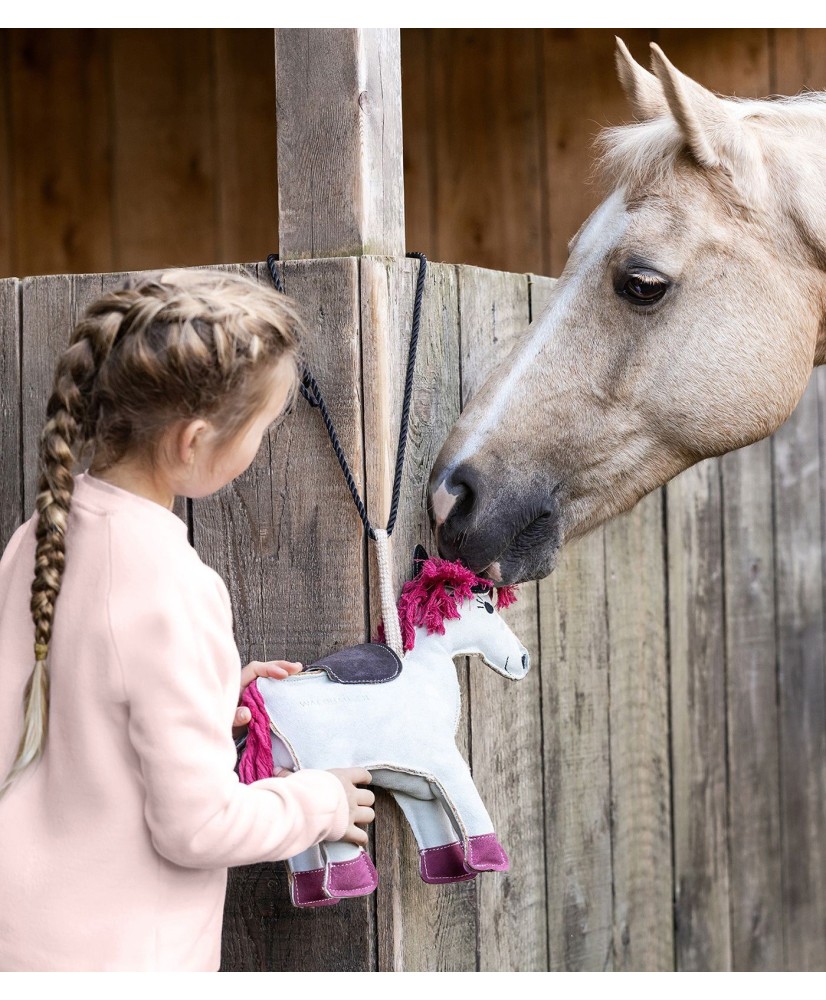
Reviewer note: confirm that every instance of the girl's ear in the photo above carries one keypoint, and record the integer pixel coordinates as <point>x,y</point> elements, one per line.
<point>420,556</point>
<point>188,437</point>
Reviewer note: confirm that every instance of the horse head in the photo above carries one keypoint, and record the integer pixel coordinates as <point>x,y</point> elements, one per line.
<point>685,325</point>
<point>447,599</point>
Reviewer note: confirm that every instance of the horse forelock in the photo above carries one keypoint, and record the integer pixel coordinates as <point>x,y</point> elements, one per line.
<point>649,154</point>
<point>435,595</point>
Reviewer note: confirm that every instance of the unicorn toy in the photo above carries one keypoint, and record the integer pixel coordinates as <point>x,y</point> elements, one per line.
<point>366,707</point>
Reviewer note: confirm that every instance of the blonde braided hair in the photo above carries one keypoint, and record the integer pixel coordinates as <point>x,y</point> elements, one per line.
<point>176,346</point>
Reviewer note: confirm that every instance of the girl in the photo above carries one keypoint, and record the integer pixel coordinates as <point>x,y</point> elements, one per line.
<point>121,811</point>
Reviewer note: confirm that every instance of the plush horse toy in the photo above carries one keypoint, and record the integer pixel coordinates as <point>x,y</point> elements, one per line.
<point>365,707</point>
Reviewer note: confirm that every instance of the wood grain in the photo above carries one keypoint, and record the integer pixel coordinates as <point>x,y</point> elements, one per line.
<point>8,229</point>
<point>698,718</point>
<point>751,696</point>
<point>245,166</point>
<point>59,103</point>
<point>418,117</point>
<point>488,158</point>
<point>583,58</point>
<point>801,654</point>
<point>340,170</point>
<point>164,162</point>
<point>506,723</point>
<point>12,510</point>
<point>641,832</point>
<point>421,927</point>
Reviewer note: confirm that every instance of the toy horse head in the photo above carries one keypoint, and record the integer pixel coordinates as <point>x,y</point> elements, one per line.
<point>448,600</point>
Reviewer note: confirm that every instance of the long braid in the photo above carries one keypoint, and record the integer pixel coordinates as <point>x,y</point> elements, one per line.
<point>65,420</point>
<point>178,345</point>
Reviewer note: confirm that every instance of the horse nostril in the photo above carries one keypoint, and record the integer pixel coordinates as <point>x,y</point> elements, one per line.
<point>453,504</point>
<point>526,662</point>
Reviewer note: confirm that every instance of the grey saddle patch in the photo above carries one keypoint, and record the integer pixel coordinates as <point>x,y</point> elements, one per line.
<point>368,663</point>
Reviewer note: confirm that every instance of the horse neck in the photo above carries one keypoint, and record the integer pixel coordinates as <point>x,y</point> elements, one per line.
<point>433,646</point>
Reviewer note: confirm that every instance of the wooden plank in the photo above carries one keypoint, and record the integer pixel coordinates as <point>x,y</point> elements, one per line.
<point>698,719</point>
<point>46,320</point>
<point>59,110</point>
<point>8,256</point>
<point>506,724</point>
<point>297,595</point>
<point>340,172</point>
<point>639,733</point>
<point>164,185</point>
<point>582,58</point>
<point>751,696</point>
<point>801,652</point>
<point>419,120</point>
<point>12,511</point>
<point>421,927</point>
<point>573,637</point>
<point>800,539</point>
<point>244,100</point>
<point>488,195</point>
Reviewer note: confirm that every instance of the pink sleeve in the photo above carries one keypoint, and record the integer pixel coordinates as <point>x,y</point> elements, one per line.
<point>181,674</point>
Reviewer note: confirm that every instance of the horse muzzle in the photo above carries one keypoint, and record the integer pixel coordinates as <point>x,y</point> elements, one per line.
<point>508,537</point>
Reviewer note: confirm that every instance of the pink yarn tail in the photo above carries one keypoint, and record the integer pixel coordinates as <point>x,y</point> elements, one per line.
<point>256,760</point>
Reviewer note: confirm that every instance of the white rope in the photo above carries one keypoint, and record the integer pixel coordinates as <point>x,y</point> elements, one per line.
<point>389,612</point>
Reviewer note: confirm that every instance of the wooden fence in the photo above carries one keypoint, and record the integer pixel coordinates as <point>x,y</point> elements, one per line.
<point>658,779</point>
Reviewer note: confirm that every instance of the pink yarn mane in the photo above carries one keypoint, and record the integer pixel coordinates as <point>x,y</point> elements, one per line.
<point>426,600</point>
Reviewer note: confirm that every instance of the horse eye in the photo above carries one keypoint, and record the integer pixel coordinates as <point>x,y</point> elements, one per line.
<point>643,287</point>
<point>488,608</point>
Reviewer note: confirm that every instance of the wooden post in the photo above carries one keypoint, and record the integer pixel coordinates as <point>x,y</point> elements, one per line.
<point>339,121</point>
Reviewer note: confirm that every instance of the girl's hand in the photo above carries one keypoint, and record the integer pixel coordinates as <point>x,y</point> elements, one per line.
<point>359,799</point>
<point>278,669</point>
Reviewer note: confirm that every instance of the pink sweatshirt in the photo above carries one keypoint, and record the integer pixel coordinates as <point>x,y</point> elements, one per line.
<point>114,848</point>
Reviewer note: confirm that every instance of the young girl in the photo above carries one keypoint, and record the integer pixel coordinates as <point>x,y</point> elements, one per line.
<point>121,811</point>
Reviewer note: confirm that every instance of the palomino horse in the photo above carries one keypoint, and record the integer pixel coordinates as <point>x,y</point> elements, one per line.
<point>686,324</point>
<point>400,724</point>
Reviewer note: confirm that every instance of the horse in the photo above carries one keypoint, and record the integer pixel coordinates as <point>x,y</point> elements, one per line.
<point>365,707</point>
<point>685,325</point>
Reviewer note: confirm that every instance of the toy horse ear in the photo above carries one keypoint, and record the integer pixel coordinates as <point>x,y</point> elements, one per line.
<point>420,556</point>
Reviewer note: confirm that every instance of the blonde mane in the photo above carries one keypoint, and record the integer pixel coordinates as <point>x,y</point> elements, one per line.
<point>647,153</point>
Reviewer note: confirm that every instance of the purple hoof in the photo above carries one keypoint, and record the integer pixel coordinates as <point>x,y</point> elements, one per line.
<point>351,878</point>
<point>307,889</point>
<point>444,864</point>
<point>485,854</point>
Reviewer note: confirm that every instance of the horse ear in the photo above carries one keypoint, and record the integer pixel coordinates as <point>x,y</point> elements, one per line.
<point>420,556</point>
<point>707,126</point>
<point>643,90</point>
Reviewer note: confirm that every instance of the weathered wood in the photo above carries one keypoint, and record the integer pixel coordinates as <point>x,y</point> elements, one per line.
<point>12,510</point>
<point>339,120</point>
<point>506,725</point>
<point>163,148</point>
<point>698,719</point>
<point>421,927</point>
<point>573,639</point>
<point>245,168</point>
<point>802,699</point>
<point>488,156</point>
<point>46,319</point>
<point>638,720</point>
<point>296,595</point>
<point>60,135</point>
<point>751,697</point>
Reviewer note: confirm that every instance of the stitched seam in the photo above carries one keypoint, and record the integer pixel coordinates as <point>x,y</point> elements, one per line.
<point>109,608</point>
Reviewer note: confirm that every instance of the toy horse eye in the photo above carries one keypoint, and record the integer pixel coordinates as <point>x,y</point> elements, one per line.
<point>488,608</point>
<point>643,287</point>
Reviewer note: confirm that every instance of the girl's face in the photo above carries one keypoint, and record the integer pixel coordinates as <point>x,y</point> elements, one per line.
<point>216,466</point>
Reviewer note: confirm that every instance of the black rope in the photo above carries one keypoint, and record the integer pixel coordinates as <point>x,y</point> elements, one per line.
<point>312,393</point>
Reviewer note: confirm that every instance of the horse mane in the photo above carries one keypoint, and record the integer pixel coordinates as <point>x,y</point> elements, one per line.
<point>647,152</point>
<point>426,600</point>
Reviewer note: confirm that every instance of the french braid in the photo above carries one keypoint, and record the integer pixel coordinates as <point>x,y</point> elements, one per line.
<point>179,345</point>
